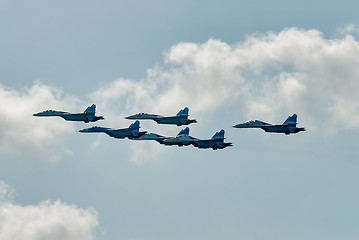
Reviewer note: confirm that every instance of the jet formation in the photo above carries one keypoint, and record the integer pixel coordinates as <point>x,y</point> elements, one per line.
<point>182,139</point>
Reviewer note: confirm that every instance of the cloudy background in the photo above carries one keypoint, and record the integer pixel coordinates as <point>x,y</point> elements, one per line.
<point>229,62</point>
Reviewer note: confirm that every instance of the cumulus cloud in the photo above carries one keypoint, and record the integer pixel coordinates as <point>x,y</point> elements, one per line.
<point>46,220</point>
<point>21,133</point>
<point>267,76</point>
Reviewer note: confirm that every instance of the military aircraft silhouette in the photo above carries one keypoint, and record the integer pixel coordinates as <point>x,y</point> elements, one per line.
<point>131,132</point>
<point>182,139</point>
<point>289,126</point>
<point>87,116</point>
<point>216,142</point>
<point>149,136</point>
<point>180,119</point>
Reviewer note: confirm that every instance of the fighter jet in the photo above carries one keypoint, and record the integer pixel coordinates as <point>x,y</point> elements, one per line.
<point>87,116</point>
<point>289,126</point>
<point>182,139</point>
<point>131,132</point>
<point>149,136</point>
<point>180,119</point>
<point>216,142</point>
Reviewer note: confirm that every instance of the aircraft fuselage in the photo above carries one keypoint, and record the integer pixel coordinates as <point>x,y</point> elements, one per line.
<point>287,129</point>
<point>123,133</point>
<point>211,144</point>
<point>179,121</point>
<point>183,140</point>
<point>81,117</point>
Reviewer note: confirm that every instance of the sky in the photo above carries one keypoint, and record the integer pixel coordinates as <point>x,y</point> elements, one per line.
<point>229,62</point>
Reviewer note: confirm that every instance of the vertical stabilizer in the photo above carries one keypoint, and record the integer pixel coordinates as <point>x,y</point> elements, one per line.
<point>91,109</point>
<point>135,125</point>
<point>291,120</point>
<point>135,128</point>
<point>184,132</point>
<point>219,135</point>
<point>183,112</point>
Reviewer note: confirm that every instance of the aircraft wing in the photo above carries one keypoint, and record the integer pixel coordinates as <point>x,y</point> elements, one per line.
<point>252,124</point>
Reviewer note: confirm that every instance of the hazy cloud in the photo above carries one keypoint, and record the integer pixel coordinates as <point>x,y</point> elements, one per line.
<point>21,133</point>
<point>6,192</point>
<point>348,29</point>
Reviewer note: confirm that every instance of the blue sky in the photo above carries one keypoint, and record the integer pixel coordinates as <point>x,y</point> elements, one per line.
<point>228,62</point>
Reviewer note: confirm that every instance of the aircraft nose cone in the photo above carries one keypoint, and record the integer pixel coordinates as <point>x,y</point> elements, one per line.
<point>130,117</point>
<point>39,114</point>
<point>83,131</point>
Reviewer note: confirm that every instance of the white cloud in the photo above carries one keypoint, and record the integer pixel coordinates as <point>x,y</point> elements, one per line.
<point>21,133</point>
<point>46,220</point>
<point>267,76</point>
